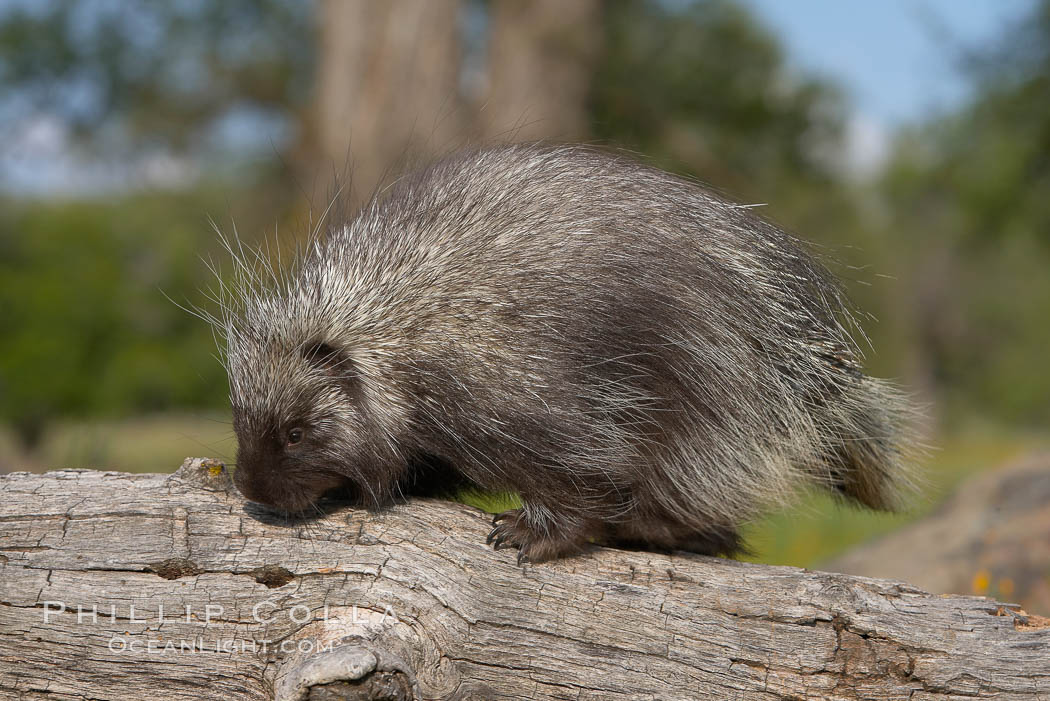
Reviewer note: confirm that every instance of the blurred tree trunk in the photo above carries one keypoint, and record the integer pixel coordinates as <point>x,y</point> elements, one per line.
<point>29,430</point>
<point>388,81</point>
<point>387,85</point>
<point>541,56</point>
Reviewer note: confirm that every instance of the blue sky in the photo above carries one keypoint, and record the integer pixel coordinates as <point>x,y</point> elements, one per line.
<point>893,58</point>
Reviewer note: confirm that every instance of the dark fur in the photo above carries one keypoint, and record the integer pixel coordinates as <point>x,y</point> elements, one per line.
<point>643,362</point>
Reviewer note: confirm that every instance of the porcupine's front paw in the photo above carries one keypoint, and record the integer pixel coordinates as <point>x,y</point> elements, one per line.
<point>512,528</point>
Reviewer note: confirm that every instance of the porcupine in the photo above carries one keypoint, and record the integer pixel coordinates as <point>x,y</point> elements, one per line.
<point>645,363</point>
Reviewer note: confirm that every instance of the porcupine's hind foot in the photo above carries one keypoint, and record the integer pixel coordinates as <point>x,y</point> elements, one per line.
<point>717,540</point>
<point>667,535</point>
<point>535,543</point>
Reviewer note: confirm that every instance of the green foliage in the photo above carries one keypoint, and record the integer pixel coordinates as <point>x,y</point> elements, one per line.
<point>704,90</point>
<point>88,329</point>
<point>969,195</point>
<point>162,71</point>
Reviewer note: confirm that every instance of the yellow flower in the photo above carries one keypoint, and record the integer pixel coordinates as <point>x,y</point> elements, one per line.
<point>981,581</point>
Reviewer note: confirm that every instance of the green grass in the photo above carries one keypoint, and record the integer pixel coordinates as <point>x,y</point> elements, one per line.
<point>803,535</point>
<point>492,502</point>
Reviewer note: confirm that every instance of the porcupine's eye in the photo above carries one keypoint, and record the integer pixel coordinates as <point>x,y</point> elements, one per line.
<point>295,435</point>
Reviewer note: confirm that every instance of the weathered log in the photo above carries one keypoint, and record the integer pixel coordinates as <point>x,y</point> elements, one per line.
<point>115,586</point>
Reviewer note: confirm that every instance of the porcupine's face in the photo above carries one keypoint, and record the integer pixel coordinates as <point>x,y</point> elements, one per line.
<point>299,429</point>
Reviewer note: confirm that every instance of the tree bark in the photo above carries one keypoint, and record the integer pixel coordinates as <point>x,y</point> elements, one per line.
<point>387,86</point>
<point>184,587</point>
<point>540,59</point>
<point>390,76</point>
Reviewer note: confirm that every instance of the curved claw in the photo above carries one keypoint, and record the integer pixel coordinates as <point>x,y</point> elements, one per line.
<point>505,533</point>
<point>498,537</point>
<point>511,529</point>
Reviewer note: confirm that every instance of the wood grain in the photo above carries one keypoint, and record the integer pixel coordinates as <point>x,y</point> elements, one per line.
<point>418,607</point>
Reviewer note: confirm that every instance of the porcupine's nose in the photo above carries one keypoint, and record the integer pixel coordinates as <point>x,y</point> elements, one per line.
<point>248,485</point>
<point>256,479</point>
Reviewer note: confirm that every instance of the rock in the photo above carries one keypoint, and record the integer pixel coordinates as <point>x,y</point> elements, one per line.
<point>992,537</point>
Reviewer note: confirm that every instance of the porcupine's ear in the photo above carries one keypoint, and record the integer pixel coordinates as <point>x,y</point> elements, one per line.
<point>332,361</point>
<point>384,408</point>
